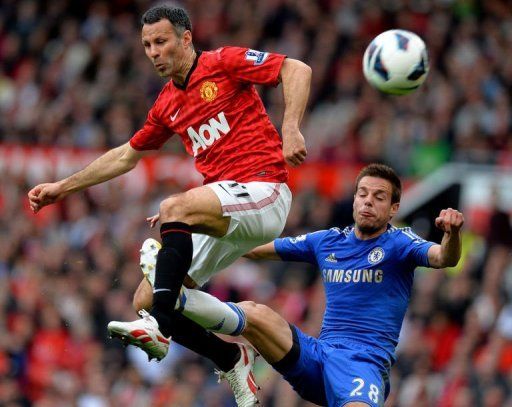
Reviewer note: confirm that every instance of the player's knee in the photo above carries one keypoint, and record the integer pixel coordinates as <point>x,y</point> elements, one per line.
<point>255,314</point>
<point>174,209</point>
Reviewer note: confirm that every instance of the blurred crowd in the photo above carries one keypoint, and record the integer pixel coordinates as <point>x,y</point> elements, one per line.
<point>73,73</point>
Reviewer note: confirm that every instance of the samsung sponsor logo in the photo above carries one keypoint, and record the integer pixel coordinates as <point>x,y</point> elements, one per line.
<point>352,276</point>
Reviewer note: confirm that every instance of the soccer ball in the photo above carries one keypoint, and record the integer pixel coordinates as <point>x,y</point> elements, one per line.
<point>396,62</point>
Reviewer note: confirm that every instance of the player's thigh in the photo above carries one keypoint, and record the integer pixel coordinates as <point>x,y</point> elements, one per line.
<point>247,229</point>
<point>210,255</point>
<point>355,377</point>
<point>303,367</point>
<point>267,331</point>
<point>198,207</point>
<point>257,210</point>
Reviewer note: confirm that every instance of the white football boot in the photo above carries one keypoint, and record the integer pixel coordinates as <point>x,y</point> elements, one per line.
<point>143,333</point>
<point>148,253</point>
<point>241,379</point>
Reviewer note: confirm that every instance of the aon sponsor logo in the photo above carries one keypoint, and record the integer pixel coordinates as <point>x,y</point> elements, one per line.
<point>208,133</point>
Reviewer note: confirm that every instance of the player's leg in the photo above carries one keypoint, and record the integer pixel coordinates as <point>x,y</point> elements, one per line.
<point>241,215</point>
<point>257,213</point>
<point>355,376</point>
<point>224,355</point>
<point>198,306</point>
<point>298,357</point>
<point>267,331</point>
<point>143,297</point>
<point>195,211</point>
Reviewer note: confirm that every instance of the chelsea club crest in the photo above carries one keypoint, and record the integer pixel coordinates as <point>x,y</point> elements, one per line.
<point>376,255</point>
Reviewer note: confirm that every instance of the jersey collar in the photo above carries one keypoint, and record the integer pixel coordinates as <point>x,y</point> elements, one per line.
<point>189,74</point>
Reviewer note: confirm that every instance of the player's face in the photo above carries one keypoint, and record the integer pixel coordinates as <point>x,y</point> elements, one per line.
<point>372,205</point>
<point>163,47</point>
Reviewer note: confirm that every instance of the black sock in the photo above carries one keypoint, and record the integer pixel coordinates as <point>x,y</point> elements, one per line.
<point>187,333</point>
<point>172,264</point>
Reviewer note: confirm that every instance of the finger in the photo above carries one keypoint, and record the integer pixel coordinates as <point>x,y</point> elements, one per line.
<point>32,192</point>
<point>301,156</point>
<point>453,217</point>
<point>459,219</point>
<point>33,197</point>
<point>42,196</point>
<point>293,162</point>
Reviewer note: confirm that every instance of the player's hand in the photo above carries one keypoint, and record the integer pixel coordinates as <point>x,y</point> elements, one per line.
<point>294,147</point>
<point>45,194</point>
<point>450,220</point>
<point>153,220</point>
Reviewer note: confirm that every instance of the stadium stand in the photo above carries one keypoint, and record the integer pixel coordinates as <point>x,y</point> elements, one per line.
<point>73,75</point>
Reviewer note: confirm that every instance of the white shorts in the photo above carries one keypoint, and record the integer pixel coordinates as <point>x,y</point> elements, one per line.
<point>258,212</point>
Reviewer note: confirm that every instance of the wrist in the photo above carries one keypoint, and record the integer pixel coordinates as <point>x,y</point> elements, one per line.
<point>64,186</point>
<point>289,132</point>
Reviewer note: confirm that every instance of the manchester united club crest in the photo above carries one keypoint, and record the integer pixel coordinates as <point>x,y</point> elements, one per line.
<point>209,91</point>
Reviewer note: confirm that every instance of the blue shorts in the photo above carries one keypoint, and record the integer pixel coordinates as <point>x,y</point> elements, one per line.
<point>335,374</point>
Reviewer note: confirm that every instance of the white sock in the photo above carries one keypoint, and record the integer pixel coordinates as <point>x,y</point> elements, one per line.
<point>210,312</point>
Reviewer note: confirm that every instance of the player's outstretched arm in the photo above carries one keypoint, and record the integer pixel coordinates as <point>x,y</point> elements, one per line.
<point>110,165</point>
<point>447,254</point>
<point>296,79</point>
<point>264,252</point>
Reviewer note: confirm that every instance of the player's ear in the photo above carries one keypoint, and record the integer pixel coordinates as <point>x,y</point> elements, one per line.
<point>394,209</point>
<point>187,38</point>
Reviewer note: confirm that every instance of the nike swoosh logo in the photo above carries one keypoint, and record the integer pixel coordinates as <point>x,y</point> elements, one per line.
<point>173,117</point>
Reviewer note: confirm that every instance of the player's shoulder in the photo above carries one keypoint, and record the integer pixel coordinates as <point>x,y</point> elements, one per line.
<point>310,236</point>
<point>163,99</point>
<point>335,233</point>
<point>221,52</point>
<point>345,232</point>
<point>218,57</point>
<point>405,234</point>
<point>229,52</point>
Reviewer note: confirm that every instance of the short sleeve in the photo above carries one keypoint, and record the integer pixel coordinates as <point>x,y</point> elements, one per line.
<point>249,65</point>
<point>152,135</point>
<point>416,248</point>
<point>299,248</point>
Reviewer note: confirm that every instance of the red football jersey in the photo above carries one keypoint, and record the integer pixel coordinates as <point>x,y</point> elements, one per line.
<point>220,117</point>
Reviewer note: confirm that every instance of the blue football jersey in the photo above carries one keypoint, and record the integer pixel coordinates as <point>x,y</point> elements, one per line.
<point>367,282</point>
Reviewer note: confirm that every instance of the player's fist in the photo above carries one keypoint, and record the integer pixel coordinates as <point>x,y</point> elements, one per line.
<point>294,147</point>
<point>44,194</point>
<point>450,220</point>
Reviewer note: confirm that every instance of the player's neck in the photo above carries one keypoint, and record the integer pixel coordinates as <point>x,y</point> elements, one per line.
<point>369,235</point>
<point>180,76</point>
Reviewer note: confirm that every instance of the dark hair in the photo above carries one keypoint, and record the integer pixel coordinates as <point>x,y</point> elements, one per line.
<point>177,16</point>
<point>384,172</point>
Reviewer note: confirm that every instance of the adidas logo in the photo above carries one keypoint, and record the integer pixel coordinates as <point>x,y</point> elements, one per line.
<point>331,258</point>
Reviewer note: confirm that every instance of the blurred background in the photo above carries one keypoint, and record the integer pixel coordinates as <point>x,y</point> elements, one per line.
<point>74,81</point>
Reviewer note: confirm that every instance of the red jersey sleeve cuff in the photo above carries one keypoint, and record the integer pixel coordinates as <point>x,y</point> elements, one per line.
<point>279,64</point>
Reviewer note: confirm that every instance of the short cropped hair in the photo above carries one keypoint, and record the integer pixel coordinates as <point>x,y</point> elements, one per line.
<point>177,16</point>
<point>384,172</point>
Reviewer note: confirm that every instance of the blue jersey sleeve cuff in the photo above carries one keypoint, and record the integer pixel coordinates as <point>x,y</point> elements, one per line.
<point>428,245</point>
<point>278,246</point>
